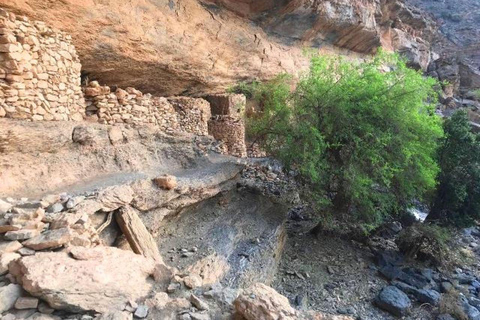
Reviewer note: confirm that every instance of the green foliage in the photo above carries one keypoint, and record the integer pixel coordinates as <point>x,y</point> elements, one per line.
<point>363,135</point>
<point>457,200</point>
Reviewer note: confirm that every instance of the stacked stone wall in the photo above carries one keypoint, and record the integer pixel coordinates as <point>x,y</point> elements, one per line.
<point>227,123</point>
<point>132,106</point>
<point>193,114</point>
<point>39,72</point>
<point>129,106</point>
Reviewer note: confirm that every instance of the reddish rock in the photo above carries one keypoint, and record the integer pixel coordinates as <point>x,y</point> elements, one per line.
<point>167,182</point>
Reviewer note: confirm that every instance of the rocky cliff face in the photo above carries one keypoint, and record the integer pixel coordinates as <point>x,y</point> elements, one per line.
<point>457,42</point>
<point>193,47</point>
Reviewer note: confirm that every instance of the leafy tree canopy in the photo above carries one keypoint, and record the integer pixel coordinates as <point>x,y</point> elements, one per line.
<point>362,134</point>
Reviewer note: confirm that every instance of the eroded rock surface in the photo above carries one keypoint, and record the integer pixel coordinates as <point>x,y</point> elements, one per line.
<point>100,279</point>
<point>173,47</point>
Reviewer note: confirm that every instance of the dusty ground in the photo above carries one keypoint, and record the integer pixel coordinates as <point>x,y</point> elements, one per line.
<point>332,275</point>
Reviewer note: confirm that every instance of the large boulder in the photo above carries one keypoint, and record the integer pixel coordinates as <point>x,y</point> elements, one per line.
<point>101,279</point>
<point>393,300</point>
<point>260,301</point>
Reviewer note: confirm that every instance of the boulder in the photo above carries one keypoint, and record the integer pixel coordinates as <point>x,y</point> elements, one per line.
<point>198,303</point>
<point>393,300</point>
<point>137,235</point>
<point>428,296</point>
<point>101,279</point>
<point>262,302</point>
<point>193,281</point>
<point>8,296</point>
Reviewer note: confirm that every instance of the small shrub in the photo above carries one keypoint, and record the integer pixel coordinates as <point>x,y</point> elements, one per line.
<point>451,304</point>
<point>426,242</point>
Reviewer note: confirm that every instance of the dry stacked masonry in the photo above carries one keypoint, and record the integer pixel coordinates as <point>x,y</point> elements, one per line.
<point>39,72</point>
<point>40,81</point>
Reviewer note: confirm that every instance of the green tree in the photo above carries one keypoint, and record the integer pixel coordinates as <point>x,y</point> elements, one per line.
<point>363,135</point>
<point>457,200</point>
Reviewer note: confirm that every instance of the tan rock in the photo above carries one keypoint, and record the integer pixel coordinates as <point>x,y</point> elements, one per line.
<point>115,197</point>
<point>66,219</point>
<point>192,281</point>
<point>115,135</point>
<point>4,206</point>
<point>9,246</point>
<point>210,269</point>
<point>198,303</point>
<point>50,239</point>
<point>5,226</point>
<point>167,182</point>
<point>101,279</point>
<point>262,302</point>
<point>159,301</point>
<point>5,259</point>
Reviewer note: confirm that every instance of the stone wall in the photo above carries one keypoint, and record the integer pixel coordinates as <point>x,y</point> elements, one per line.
<point>129,106</point>
<point>193,114</point>
<point>39,72</point>
<point>227,123</point>
<point>132,106</point>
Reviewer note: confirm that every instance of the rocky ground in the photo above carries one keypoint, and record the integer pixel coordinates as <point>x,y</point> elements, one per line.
<point>342,276</point>
<point>197,243</point>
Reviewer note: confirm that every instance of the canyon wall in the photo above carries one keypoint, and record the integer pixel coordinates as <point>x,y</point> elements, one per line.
<point>191,47</point>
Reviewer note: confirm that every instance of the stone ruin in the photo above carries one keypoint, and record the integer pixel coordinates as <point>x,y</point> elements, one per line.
<point>40,81</point>
<point>227,122</point>
<point>39,72</point>
<point>133,107</point>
